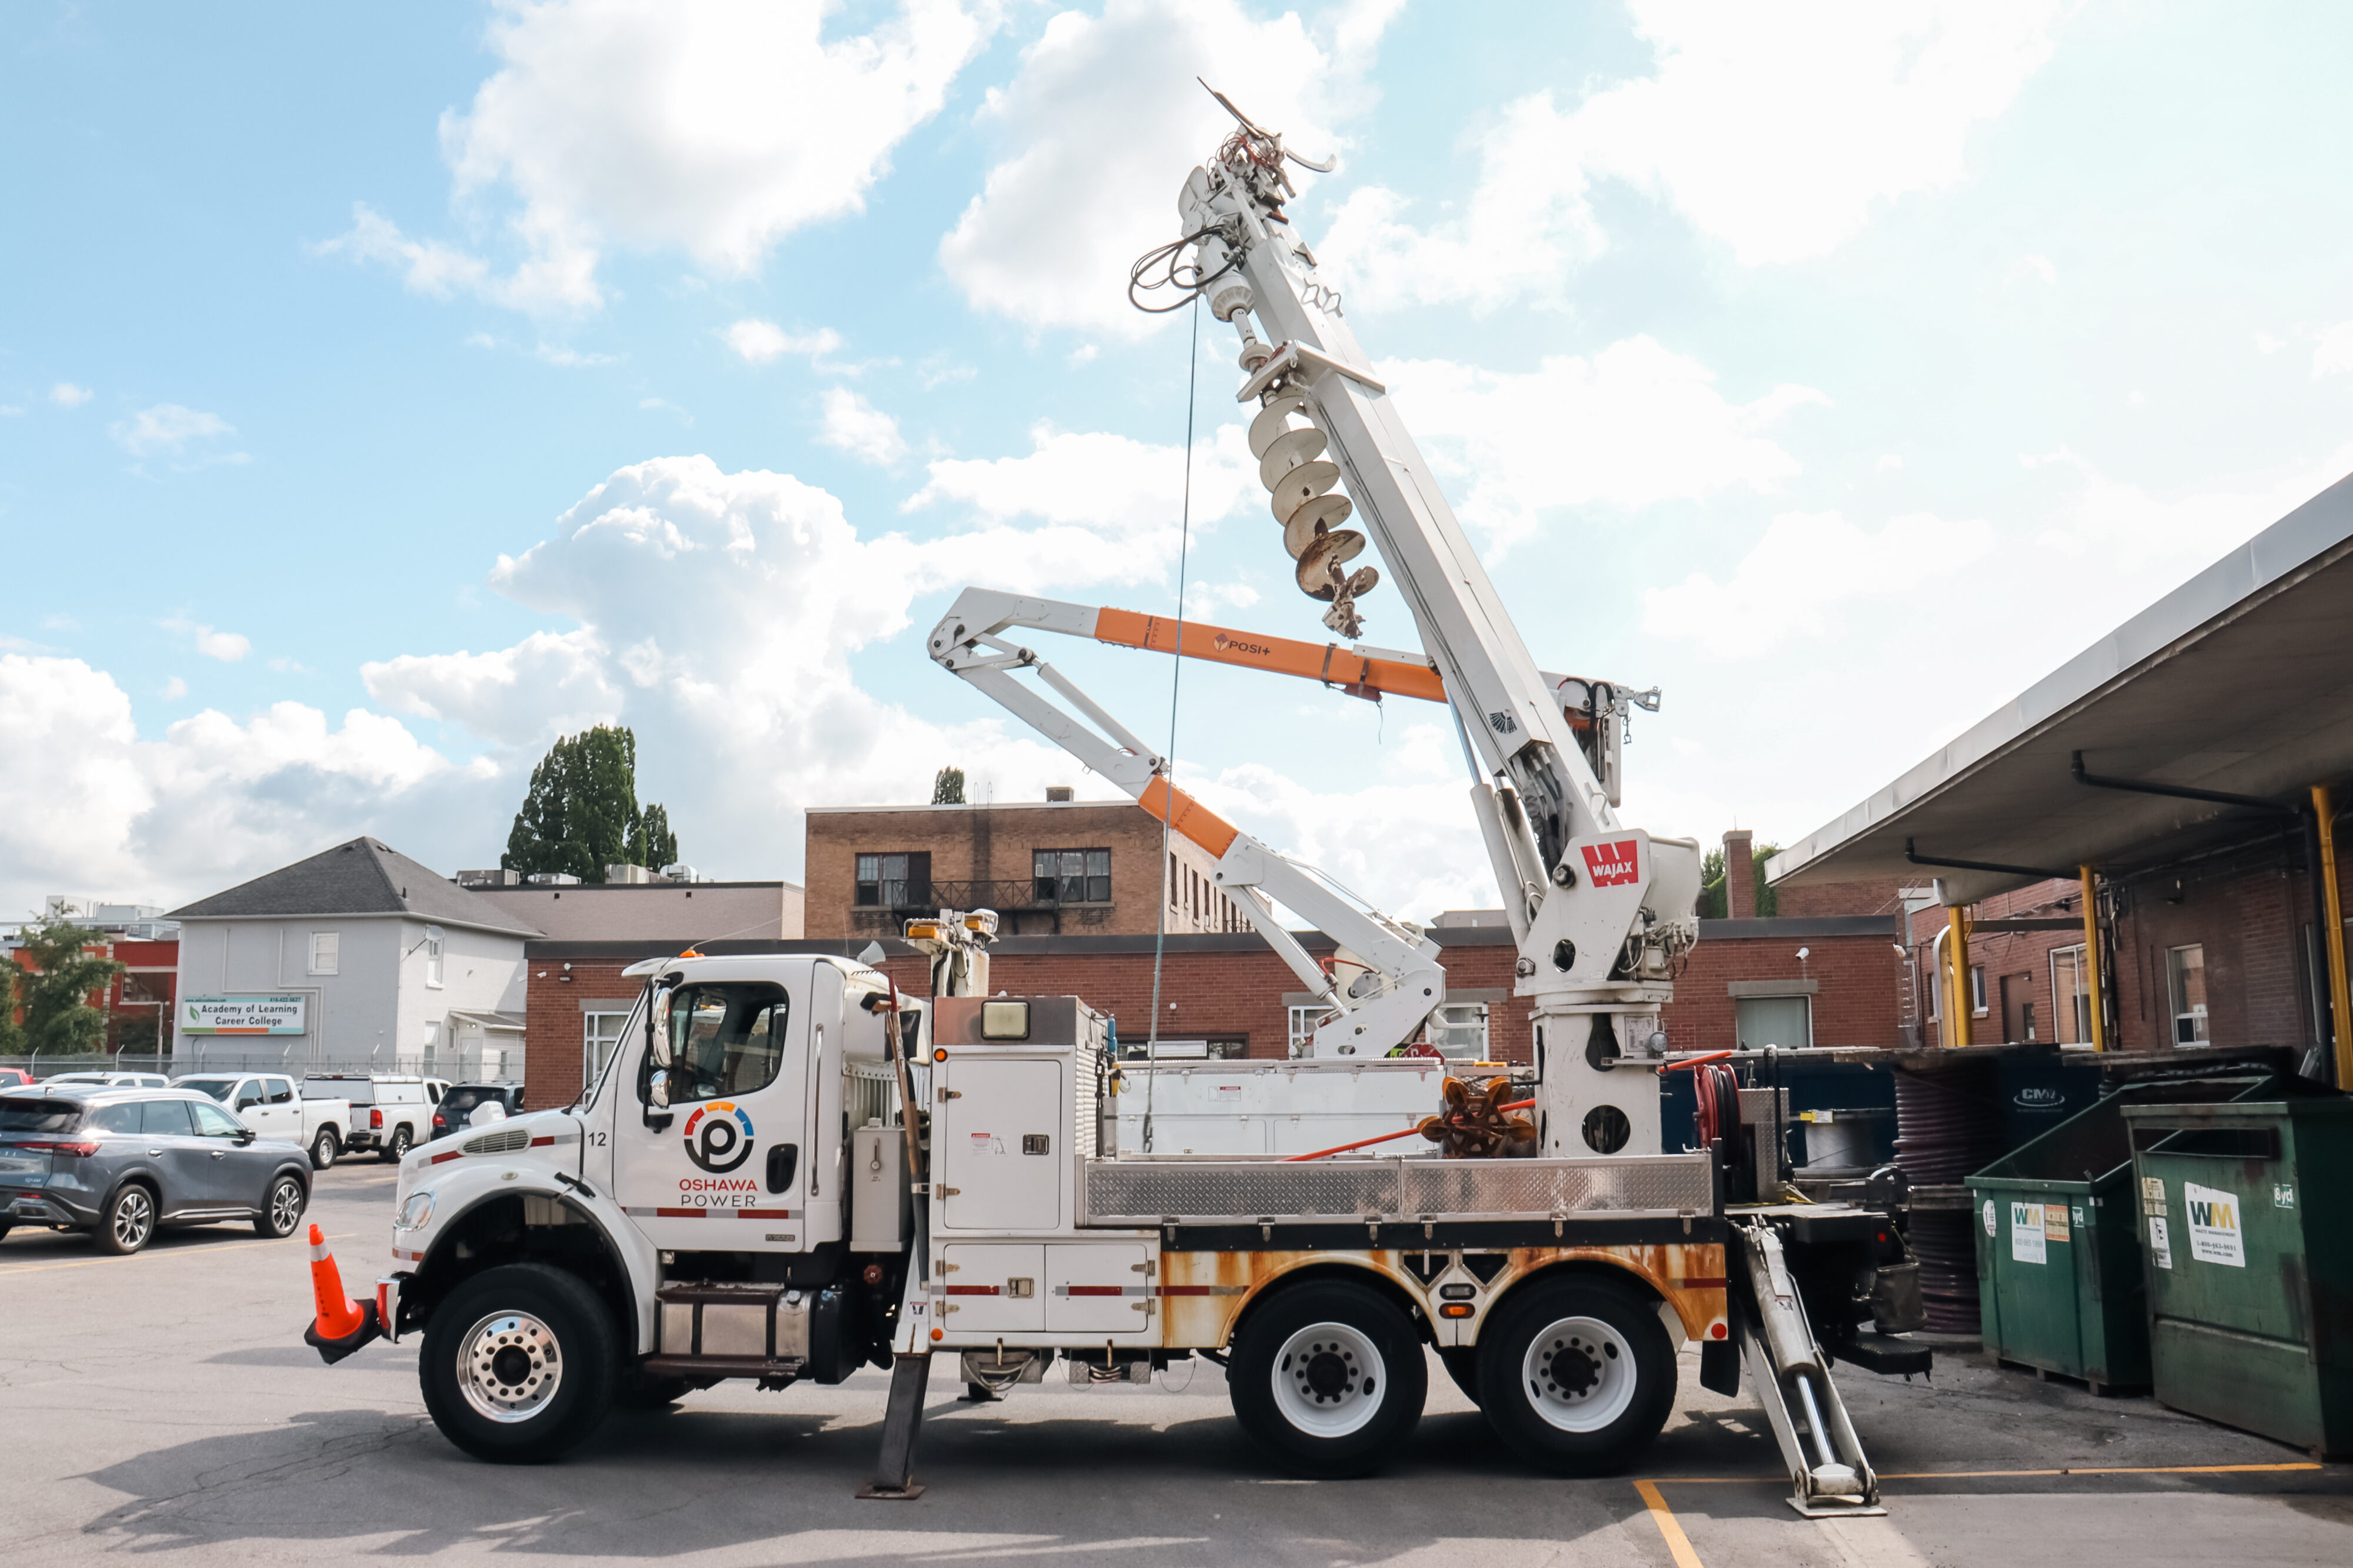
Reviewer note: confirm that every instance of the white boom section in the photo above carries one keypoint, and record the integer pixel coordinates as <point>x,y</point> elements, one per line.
<point>1601,912</point>
<point>1407,982</point>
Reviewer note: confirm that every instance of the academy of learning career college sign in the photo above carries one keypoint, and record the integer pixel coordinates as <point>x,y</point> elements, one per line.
<point>241,1014</point>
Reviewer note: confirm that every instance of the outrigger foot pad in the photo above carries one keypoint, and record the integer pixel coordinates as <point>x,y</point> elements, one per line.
<point>902,1423</point>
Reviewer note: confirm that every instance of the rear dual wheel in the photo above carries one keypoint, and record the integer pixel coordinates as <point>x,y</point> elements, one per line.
<point>1576,1375</point>
<point>1327,1378</point>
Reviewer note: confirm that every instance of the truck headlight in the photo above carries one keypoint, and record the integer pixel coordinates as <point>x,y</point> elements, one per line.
<point>417,1212</point>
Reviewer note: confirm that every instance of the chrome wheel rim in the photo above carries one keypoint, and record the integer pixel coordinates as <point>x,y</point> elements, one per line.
<point>509,1367</point>
<point>322,1153</point>
<point>1329,1380</point>
<point>133,1217</point>
<point>1578,1374</point>
<point>285,1207</point>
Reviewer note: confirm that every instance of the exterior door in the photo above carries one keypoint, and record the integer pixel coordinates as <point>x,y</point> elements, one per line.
<point>229,1168</point>
<point>1000,1155</point>
<point>710,1124</point>
<point>169,1132</point>
<point>284,1111</point>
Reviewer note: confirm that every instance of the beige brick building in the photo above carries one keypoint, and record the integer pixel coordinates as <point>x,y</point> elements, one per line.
<point>1054,867</point>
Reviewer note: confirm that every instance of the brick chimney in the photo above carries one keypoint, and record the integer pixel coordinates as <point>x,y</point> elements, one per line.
<point>1739,875</point>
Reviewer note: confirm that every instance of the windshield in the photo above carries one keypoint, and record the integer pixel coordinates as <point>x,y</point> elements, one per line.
<point>38,1115</point>
<point>459,1101</point>
<point>218,1087</point>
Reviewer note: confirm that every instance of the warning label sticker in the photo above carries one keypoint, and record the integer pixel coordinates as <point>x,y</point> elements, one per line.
<point>2026,1233</point>
<point>2161,1245</point>
<point>2054,1222</point>
<point>2213,1217</point>
<point>2152,1195</point>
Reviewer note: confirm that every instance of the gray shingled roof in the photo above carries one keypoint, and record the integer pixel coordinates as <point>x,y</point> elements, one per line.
<point>362,877</point>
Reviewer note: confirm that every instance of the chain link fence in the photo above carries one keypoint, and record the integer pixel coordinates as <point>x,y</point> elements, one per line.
<point>454,1066</point>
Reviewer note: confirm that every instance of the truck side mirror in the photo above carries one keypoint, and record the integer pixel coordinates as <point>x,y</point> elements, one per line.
<point>653,1069</point>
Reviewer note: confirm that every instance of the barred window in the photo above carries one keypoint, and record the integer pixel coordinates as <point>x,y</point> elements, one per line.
<point>1070,875</point>
<point>892,882</point>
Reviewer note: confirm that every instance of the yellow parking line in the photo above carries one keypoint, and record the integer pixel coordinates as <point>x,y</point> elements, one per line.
<point>175,1252</point>
<point>1679,1546</point>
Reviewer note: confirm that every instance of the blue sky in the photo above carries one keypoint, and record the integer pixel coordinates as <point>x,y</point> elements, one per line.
<point>1839,369</point>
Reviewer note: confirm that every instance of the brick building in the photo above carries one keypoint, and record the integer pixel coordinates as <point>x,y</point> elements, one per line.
<point>1054,867</point>
<point>2190,764</point>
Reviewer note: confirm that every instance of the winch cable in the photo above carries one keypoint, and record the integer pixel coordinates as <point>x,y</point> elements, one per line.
<point>1168,762</point>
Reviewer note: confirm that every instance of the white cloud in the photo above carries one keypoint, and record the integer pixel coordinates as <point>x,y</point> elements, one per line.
<point>715,129</point>
<point>1093,478</point>
<point>226,646</point>
<point>2267,345</point>
<point>856,427</point>
<point>2031,269</point>
<point>167,430</point>
<point>88,802</point>
<point>1775,129</point>
<point>66,394</point>
<point>2154,536</point>
<point>760,341</point>
<point>2333,356</point>
<point>175,689</point>
<point>1807,565</point>
<point>1108,106</point>
<point>549,683</point>
<point>1635,425</point>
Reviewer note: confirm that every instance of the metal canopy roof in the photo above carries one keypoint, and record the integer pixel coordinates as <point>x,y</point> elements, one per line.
<point>2239,681</point>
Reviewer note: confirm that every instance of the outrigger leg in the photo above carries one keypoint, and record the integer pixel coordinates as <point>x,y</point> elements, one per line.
<point>1784,1360</point>
<point>902,1423</point>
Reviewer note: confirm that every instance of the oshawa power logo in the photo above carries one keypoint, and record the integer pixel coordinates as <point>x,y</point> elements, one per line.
<point>719,1137</point>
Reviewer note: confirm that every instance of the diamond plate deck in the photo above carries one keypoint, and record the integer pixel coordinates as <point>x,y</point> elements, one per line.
<point>1149,1193</point>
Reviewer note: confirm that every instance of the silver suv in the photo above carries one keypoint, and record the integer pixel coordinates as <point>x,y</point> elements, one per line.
<point>119,1163</point>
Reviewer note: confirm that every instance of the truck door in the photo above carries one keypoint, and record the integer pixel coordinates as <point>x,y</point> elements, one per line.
<point>709,1137</point>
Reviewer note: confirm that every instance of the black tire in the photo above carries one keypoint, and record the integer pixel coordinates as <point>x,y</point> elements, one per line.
<point>397,1147</point>
<point>1335,1351</point>
<point>325,1148</point>
<point>1576,1375</point>
<point>128,1222</point>
<point>508,1326</point>
<point>282,1207</point>
<point>1462,1365</point>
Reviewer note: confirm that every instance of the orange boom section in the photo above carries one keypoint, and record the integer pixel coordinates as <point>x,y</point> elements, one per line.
<point>1328,662</point>
<point>1189,816</point>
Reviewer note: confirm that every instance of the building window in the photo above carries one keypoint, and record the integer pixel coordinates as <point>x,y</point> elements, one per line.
<point>600,1037</point>
<point>1303,1027</point>
<point>1459,1030</point>
<point>1172,880</point>
<point>433,956</point>
<point>1784,1021</point>
<point>2185,978</point>
<point>893,881</point>
<point>327,948</point>
<point>1070,875</point>
<point>1976,989</point>
<point>139,991</point>
<point>2071,996</point>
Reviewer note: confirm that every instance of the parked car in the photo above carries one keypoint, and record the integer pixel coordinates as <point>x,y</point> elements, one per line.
<point>390,1111</point>
<point>435,1088</point>
<point>119,1163</point>
<point>459,1101</point>
<point>267,1103</point>
<point>14,1078</point>
<point>112,1079</point>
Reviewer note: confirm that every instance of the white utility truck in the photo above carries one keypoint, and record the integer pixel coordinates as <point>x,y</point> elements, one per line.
<point>791,1168</point>
<point>270,1104</point>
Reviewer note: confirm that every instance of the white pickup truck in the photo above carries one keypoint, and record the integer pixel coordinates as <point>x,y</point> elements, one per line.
<point>270,1105</point>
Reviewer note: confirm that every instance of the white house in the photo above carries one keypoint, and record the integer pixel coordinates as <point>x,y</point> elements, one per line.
<point>357,956</point>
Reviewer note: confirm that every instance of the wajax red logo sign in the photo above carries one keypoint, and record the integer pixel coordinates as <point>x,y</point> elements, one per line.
<point>719,1137</point>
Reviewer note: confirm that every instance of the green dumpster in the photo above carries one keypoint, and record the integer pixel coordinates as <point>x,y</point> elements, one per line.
<point>2250,1263</point>
<point>2059,1268</point>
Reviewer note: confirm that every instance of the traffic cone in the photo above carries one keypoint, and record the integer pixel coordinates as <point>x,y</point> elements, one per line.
<point>342,1325</point>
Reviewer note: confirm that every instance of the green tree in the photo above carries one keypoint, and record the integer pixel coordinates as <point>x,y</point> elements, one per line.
<point>53,977</point>
<point>581,813</point>
<point>947,788</point>
<point>652,843</point>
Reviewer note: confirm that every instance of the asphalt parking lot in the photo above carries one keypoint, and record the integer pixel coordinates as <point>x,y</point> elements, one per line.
<point>164,1405</point>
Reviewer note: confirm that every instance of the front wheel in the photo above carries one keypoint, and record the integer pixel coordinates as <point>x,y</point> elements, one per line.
<point>1327,1378</point>
<point>1576,1375</point>
<point>396,1148</point>
<point>282,1210</point>
<point>323,1149</point>
<point>518,1363</point>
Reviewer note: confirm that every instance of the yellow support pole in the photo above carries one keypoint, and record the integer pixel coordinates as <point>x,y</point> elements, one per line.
<point>1959,1002</point>
<point>2336,935</point>
<point>2092,960</point>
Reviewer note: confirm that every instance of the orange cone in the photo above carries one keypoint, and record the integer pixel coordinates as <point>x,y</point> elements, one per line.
<point>342,1325</point>
<point>340,1317</point>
